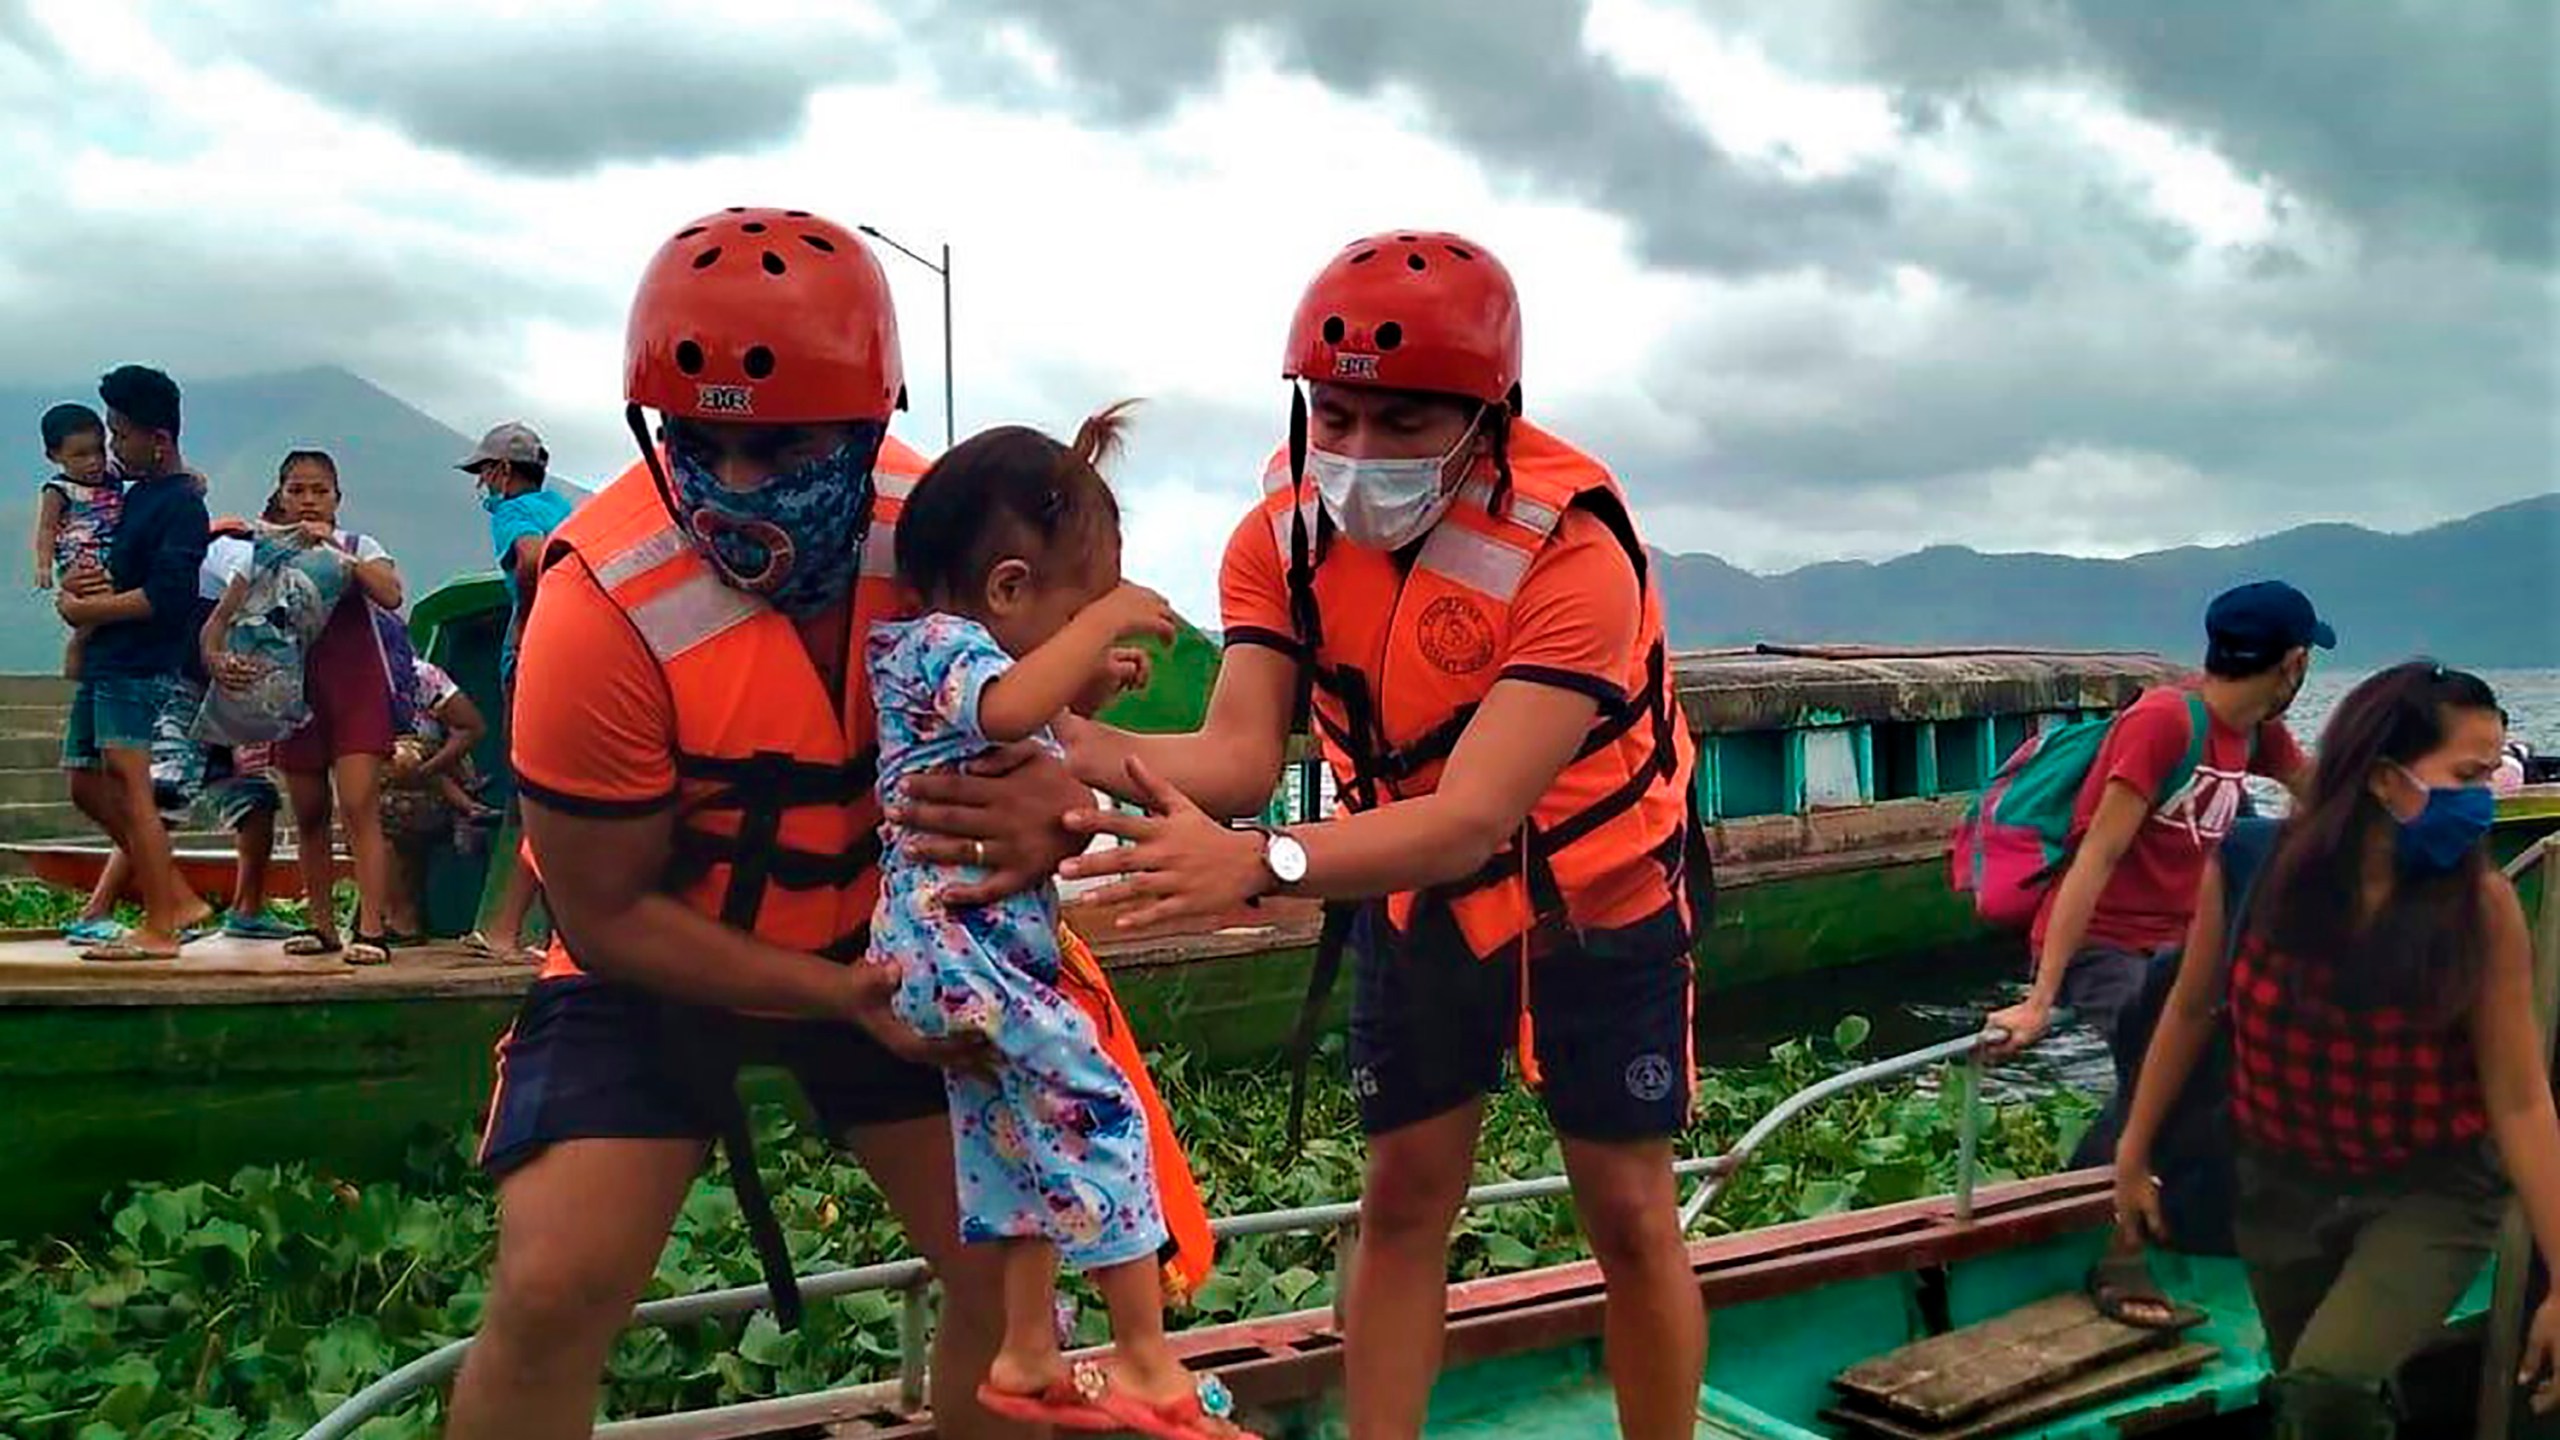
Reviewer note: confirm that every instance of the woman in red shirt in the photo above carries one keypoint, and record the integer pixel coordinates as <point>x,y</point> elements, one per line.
<point>2387,1081</point>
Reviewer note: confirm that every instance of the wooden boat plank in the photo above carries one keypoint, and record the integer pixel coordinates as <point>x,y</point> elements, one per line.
<point>2125,1377</point>
<point>1950,1378</point>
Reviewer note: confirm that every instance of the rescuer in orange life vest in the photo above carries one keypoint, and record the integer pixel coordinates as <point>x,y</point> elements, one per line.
<point>694,741</point>
<point>1469,601</point>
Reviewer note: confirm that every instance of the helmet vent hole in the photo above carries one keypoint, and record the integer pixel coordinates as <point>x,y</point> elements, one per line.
<point>1333,329</point>
<point>690,233</point>
<point>1409,239</point>
<point>1390,335</point>
<point>753,227</point>
<point>1416,262</point>
<point>795,214</point>
<point>689,357</point>
<point>819,243</point>
<point>757,362</point>
<point>735,210</point>
<point>707,258</point>
<point>1364,257</point>
<point>1461,251</point>
<point>773,264</point>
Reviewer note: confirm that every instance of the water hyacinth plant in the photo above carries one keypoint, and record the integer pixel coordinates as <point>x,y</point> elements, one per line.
<point>243,1310</point>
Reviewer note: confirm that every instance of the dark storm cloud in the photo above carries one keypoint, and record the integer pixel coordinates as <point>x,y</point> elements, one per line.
<point>546,94</point>
<point>1509,81</point>
<point>2411,117</point>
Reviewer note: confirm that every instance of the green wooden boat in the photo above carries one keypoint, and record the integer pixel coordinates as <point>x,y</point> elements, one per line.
<point>1793,1306</point>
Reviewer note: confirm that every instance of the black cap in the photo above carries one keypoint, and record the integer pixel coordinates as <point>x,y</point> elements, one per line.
<point>2256,624</point>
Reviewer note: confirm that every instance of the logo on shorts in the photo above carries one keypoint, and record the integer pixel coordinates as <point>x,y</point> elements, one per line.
<point>1455,635</point>
<point>1364,1081</point>
<point>1347,366</point>
<point>1649,1078</point>
<point>726,400</point>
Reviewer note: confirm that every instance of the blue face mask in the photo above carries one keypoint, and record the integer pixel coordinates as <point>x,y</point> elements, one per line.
<point>2443,834</point>
<point>796,539</point>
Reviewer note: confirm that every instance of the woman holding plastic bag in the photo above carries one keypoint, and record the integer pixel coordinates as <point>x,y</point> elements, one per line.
<point>310,591</point>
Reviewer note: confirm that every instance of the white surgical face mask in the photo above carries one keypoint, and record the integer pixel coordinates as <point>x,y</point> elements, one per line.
<point>1385,504</point>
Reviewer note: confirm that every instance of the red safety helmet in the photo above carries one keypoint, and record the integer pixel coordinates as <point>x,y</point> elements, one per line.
<point>1411,310</point>
<point>772,316</point>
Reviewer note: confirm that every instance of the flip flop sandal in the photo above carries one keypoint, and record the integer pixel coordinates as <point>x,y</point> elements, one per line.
<point>310,944</point>
<point>2119,1281</point>
<point>1203,1414</point>
<point>1061,1406</point>
<point>261,926</point>
<point>368,950</point>
<point>101,931</point>
<point>122,952</point>
<point>480,945</point>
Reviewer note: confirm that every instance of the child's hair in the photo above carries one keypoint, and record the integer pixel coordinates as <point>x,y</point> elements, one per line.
<point>64,421</point>
<point>1003,491</point>
<point>143,395</point>
<point>292,458</point>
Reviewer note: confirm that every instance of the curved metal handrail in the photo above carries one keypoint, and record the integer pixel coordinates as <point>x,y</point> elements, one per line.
<point>910,1277</point>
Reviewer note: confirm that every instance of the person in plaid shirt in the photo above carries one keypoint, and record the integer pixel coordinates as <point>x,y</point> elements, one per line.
<point>2388,1089</point>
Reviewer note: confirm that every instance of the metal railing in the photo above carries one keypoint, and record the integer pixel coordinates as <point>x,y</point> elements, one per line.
<point>912,1279</point>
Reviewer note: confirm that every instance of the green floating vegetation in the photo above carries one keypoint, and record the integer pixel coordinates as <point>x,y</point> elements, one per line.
<point>34,905</point>
<point>243,1311</point>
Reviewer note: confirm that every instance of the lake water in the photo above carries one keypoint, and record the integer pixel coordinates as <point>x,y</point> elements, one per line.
<point>2531,698</point>
<point>1925,999</point>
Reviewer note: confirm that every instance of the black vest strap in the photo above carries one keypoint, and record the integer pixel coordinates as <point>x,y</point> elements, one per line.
<point>762,788</point>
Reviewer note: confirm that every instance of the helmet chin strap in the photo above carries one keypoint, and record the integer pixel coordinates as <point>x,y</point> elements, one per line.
<point>638,420</point>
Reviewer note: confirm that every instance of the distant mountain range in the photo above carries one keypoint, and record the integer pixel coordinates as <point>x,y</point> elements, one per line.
<point>395,462</point>
<point>2482,591</point>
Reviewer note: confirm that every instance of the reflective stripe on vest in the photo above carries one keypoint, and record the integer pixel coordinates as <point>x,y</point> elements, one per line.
<point>1405,659</point>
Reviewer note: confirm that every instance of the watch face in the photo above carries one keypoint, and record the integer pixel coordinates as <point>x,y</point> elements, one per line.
<point>1287,859</point>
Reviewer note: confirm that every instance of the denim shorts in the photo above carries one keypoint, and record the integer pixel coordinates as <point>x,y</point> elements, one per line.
<point>112,712</point>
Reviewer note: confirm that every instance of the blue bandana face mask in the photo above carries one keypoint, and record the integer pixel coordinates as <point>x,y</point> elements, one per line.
<point>796,539</point>
<point>2441,836</point>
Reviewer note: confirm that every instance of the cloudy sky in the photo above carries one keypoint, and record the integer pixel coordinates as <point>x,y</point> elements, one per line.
<point>1819,278</point>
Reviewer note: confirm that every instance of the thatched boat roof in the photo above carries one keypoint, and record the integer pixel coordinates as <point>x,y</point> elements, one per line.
<point>1774,687</point>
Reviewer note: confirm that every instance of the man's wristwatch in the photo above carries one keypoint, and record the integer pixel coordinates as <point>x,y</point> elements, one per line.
<point>1283,858</point>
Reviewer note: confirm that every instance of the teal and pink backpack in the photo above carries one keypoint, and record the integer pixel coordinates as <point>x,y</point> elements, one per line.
<point>2015,837</point>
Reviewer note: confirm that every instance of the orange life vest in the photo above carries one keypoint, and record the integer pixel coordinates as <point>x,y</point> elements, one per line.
<point>1401,656</point>
<point>777,816</point>
<point>777,828</point>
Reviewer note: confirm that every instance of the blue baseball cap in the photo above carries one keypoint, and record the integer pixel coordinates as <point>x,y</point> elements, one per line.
<point>2256,624</point>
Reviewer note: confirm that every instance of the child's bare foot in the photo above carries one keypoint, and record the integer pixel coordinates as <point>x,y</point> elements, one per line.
<point>1025,1374</point>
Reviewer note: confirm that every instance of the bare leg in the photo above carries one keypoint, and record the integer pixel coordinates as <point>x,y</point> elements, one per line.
<point>309,793</point>
<point>255,841</point>
<point>569,1270</point>
<point>911,1162</point>
<point>113,881</point>
<point>1029,1361</point>
<point>1655,1333</point>
<point>1396,1309</point>
<point>168,906</point>
<point>1142,1362</point>
<point>515,908</point>
<point>358,780</point>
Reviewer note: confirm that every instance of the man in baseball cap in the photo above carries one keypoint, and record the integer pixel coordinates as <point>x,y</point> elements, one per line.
<point>511,464</point>
<point>513,443</point>
<point>2254,628</point>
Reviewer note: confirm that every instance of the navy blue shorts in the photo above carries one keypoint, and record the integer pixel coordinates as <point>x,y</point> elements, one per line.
<point>589,1059</point>
<point>1430,1024</point>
